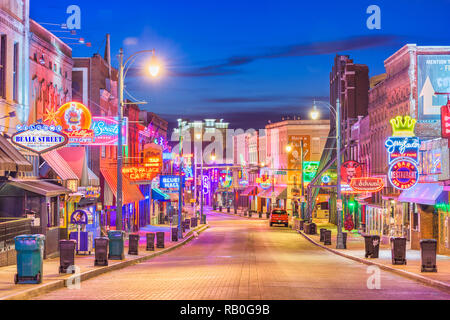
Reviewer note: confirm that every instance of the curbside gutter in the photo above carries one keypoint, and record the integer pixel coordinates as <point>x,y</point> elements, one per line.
<point>412,276</point>
<point>61,283</point>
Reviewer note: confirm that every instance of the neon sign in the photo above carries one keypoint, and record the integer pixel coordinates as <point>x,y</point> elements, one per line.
<point>403,147</point>
<point>225,179</point>
<point>39,138</point>
<point>264,179</point>
<point>106,131</point>
<point>171,182</point>
<point>205,184</point>
<point>403,126</point>
<point>141,173</point>
<point>310,170</point>
<point>367,184</point>
<point>403,174</point>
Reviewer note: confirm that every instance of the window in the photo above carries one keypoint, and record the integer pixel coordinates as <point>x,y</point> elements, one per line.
<point>50,65</point>
<point>16,72</point>
<point>3,66</point>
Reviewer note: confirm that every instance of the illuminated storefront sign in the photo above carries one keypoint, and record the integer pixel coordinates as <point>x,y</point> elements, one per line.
<point>367,184</point>
<point>264,179</point>
<point>90,192</point>
<point>349,171</point>
<point>243,177</point>
<point>171,182</point>
<point>215,175</point>
<point>39,138</point>
<point>82,128</point>
<point>206,184</point>
<point>403,149</point>
<point>150,169</point>
<point>403,174</point>
<point>310,170</point>
<point>225,179</point>
<point>445,120</point>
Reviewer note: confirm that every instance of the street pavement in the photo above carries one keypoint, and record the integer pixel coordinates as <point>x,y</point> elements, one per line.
<point>242,259</point>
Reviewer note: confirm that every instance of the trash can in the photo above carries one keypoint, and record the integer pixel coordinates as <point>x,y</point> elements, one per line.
<point>321,234</point>
<point>204,219</point>
<point>214,207</point>
<point>428,255</point>
<point>160,240</point>
<point>228,209</point>
<point>250,214</point>
<point>220,208</point>
<point>66,255</point>
<point>150,241</point>
<point>116,247</point>
<point>101,251</point>
<point>187,224</point>
<point>372,246</point>
<point>194,222</point>
<point>327,237</point>
<point>133,244</point>
<point>245,213</point>
<point>260,215</point>
<point>30,257</point>
<point>302,225</point>
<point>267,215</point>
<point>306,228</point>
<point>398,251</point>
<point>174,234</point>
<point>313,228</point>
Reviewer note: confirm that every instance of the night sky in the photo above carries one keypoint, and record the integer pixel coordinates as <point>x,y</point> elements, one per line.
<point>245,61</point>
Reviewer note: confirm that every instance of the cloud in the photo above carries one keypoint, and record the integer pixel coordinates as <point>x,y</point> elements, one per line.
<point>130,41</point>
<point>264,99</point>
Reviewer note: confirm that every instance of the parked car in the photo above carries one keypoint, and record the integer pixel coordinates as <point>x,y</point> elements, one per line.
<point>279,216</point>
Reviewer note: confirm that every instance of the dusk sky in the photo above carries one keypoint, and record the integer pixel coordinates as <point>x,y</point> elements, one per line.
<point>246,61</point>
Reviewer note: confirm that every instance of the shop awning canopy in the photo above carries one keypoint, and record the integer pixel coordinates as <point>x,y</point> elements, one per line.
<point>40,187</point>
<point>422,193</point>
<point>279,193</point>
<point>159,195</point>
<point>250,191</point>
<point>130,192</point>
<point>11,159</point>
<point>59,165</point>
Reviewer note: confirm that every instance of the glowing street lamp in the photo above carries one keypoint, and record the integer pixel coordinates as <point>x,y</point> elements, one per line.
<point>315,114</point>
<point>154,66</point>
<point>288,149</point>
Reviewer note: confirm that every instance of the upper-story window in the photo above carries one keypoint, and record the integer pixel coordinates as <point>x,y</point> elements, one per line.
<point>16,72</point>
<point>3,66</point>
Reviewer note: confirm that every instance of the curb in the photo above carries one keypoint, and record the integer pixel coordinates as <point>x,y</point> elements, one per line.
<point>62,283</point>
<point>424,280</point>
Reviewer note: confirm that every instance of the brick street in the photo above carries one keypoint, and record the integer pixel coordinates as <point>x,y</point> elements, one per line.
<point>238,259</point>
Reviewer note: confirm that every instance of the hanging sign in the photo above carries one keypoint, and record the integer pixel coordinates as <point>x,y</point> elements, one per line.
<point>171,182</point>
<point>225,179</point>
<point>141,173</point>
<point>90,192</point>
<point>310,170</point>
<point>79,217</point>
<point>39,138</point>
<point>403,174</point>
<point>205,184</point>
<point>349,171</point>
<point>403,147</point>
<point>445,120</point>
<point>367,184</point>
<point>264,179</point>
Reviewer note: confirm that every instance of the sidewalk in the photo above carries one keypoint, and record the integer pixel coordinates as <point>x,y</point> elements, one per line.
<point>52,280</point>
<point>356,251</point>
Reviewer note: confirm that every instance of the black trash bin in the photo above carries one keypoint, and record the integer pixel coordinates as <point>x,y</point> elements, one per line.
<point>160,240</point>
<point>250,214</point>
<point>194,222</point>
<point>372,246</point>
<point>204,219</point>
<point>313,228</point>
<point>398,251</point>
<point>101,251</point>
<point>428,249</point>
<point>245,213</point>
<point>214,207</point>
<point>306,228</point>
<point>150,241</point>
<point>260,215</point>
<point>327,237</point>
<point>174,234</point>
<point>228,209</point>
<point>66,255</point>
<point>220,208</point>
<point>133,244</point>
<point>267,215</point>
<point>187,224</point>
<point>321,234</point>
<point>302,225</point>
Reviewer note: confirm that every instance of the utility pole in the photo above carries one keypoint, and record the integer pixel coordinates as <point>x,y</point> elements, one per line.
<point>180,195</point>
<point>119,196</point>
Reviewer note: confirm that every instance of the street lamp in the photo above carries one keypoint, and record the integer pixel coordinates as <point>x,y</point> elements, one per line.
<point>315,114</point>
<point>289,150</point>
<point>123,69</point>
<point>337,113</point>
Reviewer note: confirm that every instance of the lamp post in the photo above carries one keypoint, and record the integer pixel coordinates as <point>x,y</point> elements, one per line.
<point>199,136</point>
<point>337,112</point>
<point>180,181</point>
<point>154,70</point>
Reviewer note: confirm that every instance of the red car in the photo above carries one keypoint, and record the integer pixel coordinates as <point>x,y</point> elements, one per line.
<point>279,216</point>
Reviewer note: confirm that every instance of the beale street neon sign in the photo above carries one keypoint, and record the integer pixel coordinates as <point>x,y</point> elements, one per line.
<point>39,138</point>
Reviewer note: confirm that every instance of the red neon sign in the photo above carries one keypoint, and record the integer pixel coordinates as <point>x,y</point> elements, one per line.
<point>367,184</point>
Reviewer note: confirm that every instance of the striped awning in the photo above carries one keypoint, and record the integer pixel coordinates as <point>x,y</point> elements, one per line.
<point>250,191</point>
<point>59,165</point>
<point>40,187</point>
<point>131,192</point>
<point>157,194</point>
<point>11,159</point>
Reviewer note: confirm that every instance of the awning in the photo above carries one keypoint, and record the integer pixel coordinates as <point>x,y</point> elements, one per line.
<point>11,159</point>
<point>280,193</point>
<point>130,192</point>
<point>157,194</point>
<point>94,181</point>
<point>250,191</point>
<point>40,187</point>
<point>422,193</point>
<point>59,165</point>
